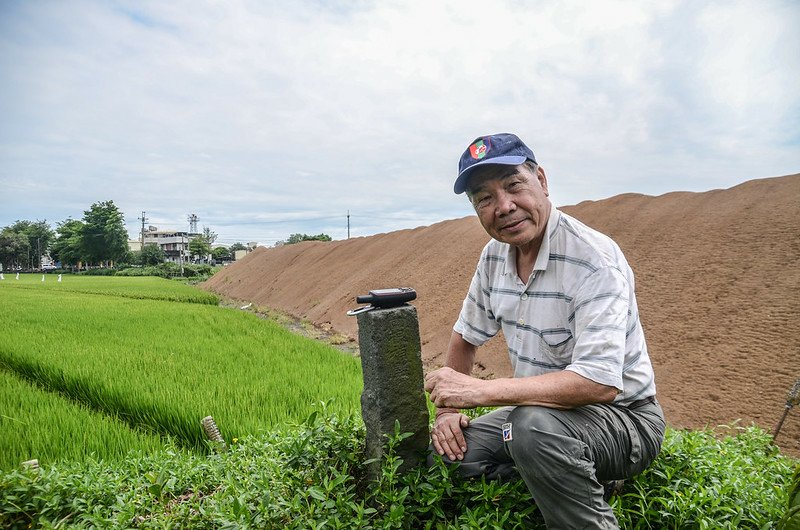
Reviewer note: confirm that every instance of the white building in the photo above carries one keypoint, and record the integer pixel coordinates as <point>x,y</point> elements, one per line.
<point>174,243</point>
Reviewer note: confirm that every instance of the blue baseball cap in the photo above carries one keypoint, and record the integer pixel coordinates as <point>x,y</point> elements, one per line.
<point>506,149</point>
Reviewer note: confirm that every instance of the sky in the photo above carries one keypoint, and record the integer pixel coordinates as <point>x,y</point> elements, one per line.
<point>268,118</point>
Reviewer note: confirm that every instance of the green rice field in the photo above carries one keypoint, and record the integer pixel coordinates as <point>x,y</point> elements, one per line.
<point>151,355</point>
<point>43,425</point>
<point>141,287</point>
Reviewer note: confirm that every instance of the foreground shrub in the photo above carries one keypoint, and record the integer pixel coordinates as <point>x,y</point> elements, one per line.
<point>312,476</point>
<point>728,478</point>
<point>791,521</point>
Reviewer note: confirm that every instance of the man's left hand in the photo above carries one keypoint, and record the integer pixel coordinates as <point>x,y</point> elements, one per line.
<point>449,388</point>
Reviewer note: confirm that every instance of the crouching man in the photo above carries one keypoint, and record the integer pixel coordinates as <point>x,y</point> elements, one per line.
<point>581,408</point>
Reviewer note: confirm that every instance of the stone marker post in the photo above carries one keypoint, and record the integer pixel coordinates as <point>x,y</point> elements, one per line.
<point>393,384</point>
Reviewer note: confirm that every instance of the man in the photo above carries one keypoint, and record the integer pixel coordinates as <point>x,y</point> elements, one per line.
<point>581,407</point>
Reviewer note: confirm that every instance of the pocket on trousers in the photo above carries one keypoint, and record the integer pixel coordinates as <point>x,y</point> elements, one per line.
<point>649,437</point>
<point>633,464</point>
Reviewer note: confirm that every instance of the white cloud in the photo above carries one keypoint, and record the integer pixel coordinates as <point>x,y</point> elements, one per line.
<point>264,111</point>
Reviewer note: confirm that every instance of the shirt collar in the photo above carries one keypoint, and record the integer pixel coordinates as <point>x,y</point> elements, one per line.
<point>543,258</point>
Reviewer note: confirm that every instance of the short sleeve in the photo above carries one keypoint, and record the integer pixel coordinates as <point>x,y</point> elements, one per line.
<point>476,322</point>
<point>600,312</point>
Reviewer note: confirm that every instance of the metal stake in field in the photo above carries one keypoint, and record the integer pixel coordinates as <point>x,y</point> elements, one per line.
<point>17,276</point>
<point>212,431</point>
<point>42,277</point>
<point>388,334</point>
<point>792,400</point>
<point>59,277</point>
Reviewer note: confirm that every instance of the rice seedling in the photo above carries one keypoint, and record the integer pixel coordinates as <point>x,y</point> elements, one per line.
<point>163,366</point>
<point>140,287</point>
<point>40,425</point>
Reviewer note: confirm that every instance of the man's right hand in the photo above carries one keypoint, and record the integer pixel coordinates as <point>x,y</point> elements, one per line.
<point>447,434</point>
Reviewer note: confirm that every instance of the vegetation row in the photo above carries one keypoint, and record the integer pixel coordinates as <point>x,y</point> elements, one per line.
<point>313,476</point>
<point>99,238</point>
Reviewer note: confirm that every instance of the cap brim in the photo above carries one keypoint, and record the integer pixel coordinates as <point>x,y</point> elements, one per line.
<point>463,178</point>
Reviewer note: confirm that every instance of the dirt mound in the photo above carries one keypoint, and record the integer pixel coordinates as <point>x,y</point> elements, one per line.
<point>717,277</point>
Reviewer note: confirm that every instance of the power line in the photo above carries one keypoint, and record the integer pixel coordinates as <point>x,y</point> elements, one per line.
<point>275,221</point>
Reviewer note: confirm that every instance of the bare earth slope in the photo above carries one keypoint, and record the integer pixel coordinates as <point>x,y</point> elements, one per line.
<point>718,285</point>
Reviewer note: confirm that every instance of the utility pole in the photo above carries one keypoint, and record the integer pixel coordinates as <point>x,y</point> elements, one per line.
<point>143,219</point>
<point>39,252</point>
<point>348,224</point>
<point>181,255</point>
<point>192,224</point>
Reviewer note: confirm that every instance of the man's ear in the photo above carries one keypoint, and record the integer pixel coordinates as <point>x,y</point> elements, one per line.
<point>542,177</point>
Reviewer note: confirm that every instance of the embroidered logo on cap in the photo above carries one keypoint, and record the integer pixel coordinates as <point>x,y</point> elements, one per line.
<point>478,149</point>
<point>506,432</point>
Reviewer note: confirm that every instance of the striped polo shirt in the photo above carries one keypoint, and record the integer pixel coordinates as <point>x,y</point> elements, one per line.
<point>577,311</point>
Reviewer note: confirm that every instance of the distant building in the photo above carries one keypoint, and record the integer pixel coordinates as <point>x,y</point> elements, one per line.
<point>174,243</point>
<point>239,254</point>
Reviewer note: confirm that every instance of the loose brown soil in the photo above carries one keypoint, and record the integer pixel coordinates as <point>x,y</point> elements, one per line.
<point>718,286</point>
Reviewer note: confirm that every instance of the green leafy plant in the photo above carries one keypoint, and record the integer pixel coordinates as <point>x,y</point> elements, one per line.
<point>312,475</point>
<point>791,520</point>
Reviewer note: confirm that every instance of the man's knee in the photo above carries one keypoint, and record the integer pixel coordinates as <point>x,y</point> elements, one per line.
<point>534,419</point>
<point>540,443</point>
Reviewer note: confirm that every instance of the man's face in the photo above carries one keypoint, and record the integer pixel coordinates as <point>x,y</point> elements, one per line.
<point>512,203</point>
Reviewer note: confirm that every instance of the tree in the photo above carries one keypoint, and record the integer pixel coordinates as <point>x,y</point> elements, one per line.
<point>104,237</point>
<point>68,247</point>
<point>237,246</point>
<point>152,254</point>
<point>38,235</point>
<point>14,249</point>
<point>297,238</point>
<point>209,235</point>
<point>199,247</point>
<point>221,254</point>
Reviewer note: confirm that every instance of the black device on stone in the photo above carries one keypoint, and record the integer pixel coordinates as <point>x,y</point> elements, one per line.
<point>386,298</point>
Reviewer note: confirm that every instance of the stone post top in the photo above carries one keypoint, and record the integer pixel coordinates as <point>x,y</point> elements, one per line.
<point>400,308</point>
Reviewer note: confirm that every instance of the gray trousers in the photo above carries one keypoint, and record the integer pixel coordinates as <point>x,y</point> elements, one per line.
<point>563,455</point>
